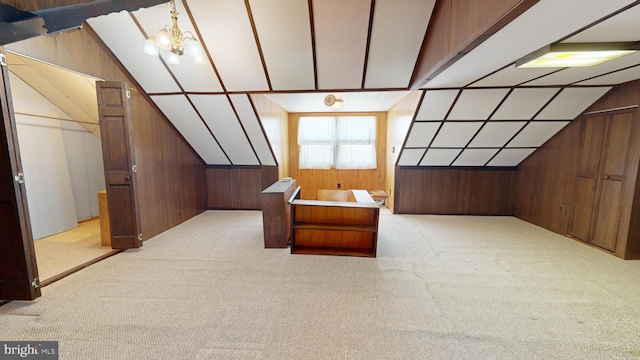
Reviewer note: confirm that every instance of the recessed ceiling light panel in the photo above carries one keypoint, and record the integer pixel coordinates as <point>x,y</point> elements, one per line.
<point>576,54</point>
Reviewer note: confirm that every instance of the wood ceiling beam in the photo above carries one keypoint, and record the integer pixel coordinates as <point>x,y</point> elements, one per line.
<point>16,25</point>
<point>459,26</point>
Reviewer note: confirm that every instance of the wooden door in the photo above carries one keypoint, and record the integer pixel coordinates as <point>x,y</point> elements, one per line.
<point>610,180</point>
<point>119,163</point>
<point>592,132</point>
<point>601,172</point>
<point>18,269</point>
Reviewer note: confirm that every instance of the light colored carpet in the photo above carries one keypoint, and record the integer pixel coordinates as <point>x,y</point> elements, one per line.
<point>58,253</point>
<point>442,287</point>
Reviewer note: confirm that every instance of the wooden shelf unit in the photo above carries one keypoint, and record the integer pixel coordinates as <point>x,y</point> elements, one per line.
<point>334,228</point>
<point>276,213</point>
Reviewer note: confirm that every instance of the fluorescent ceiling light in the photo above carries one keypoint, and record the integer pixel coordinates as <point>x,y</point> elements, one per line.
<point>576,54</point>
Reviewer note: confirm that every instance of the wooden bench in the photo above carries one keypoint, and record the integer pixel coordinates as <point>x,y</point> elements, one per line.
<point>335,227</point>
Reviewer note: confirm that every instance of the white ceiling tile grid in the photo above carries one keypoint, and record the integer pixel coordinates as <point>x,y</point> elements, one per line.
<point>571,102</point>
<point>439,157</point>
<point>223,122</point>
<point>421,134</point>
<point>229,38</point>
<point>474,157</point>
<point>286,45</point>
<point>524,103</point>
<point>252,126</point>
<point>341,32</point>
<point>191,77</point>
<point>456,134</point>
<point>410,157</point>
<point>537,133</point>
<point>477,104</point>
<point>122,36</point>
<point>180,112</point>
<point>510,157</point>
<point>398,30</point>
<point>436,104</point>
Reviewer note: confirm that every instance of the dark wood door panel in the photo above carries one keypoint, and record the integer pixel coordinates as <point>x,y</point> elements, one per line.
<point>616,151</point>
<point>18,268</point>
<point>580,223</point>
<point>117,144</point>
<point>606,223</point>
<point>592,130</point>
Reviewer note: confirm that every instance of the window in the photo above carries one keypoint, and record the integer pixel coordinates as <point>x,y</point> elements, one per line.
<point>346,142</point>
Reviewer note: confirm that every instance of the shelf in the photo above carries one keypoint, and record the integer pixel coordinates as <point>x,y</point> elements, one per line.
<point>313,250</point>
<point>336,227</point>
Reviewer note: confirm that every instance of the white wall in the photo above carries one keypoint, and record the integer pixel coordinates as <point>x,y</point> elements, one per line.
<point>62,163</point>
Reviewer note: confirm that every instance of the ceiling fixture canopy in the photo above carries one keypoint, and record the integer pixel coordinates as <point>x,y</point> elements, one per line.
<point>175,42</point>
<point>331,100</point>
<point>576,54</point>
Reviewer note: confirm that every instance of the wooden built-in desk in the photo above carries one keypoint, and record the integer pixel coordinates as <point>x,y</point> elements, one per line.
<point>335,227</point>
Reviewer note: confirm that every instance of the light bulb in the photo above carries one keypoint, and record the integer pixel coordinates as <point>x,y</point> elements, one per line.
<point>150,47</point>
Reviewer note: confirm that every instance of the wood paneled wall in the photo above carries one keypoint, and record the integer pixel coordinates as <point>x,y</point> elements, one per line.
<point>275,122</point>
<point>238,187</point>
<point>171,176</point>
<point>311,180</point>
<point>454,191</point>
<point>546,179</point>
<point>399,120</point>
<point>457,27</point>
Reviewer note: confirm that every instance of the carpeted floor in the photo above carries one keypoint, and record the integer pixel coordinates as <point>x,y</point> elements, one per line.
<point>58,253</point>
<point>442,287</point>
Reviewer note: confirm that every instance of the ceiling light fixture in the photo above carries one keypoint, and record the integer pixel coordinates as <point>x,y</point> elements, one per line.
<point>174,42</point>
<point>331,100</point>
<point>576,54</point>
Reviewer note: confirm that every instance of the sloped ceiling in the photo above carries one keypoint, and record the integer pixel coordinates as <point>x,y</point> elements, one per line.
<point>480,111</point>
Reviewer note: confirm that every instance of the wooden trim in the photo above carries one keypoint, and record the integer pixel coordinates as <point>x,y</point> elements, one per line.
<point>257,39</point>
<point>313,44</point>
<point>75,269</point>
<point>454,52</point>
<point>367,46</point>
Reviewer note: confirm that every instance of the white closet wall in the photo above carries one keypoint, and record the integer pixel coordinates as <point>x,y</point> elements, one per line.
<point>62,163</point>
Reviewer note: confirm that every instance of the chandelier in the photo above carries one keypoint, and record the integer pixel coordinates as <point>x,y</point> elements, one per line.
<point>174,42</point>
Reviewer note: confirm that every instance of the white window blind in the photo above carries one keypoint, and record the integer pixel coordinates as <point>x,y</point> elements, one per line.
<point>346,142</point>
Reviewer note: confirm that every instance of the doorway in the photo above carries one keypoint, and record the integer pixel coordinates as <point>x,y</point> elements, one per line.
<point>59,137</point>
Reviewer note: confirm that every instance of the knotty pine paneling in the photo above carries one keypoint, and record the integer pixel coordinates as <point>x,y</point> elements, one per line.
<point>311,180</point>
<point>458,26</point>
<point>171,176</point>
<point>238,187</point>
<point>454,191</point>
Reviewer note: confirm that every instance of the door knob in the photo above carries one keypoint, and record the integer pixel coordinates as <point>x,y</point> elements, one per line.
<point>127,178</point>
<point>606,177</point>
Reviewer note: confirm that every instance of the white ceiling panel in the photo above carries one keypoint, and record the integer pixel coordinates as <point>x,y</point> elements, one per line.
<point>477,104</point>
<point>537,133</point>
<point>622,27</point>
<point>252,126</point>
<point>474,157</point>
<point>191,77</point>
<point>410,157</point>
<point>456,134</point>
<point>180,112</point>
<point>571,102</point>
<point>218,114</point>
<point>391,60</point>
<point>364,101</point>
<point>510,157</point>
<point>496,134</point>
<point>439,157</point>
<point>286,45</point>
<point>615,78</point>
<point>436,104</point>
<point>523,36</point>
<point>524,103</point>
<point>421,134</point>
<point>122,36</point>
<point>229,37</point>
<point>512,76</point>
<point>571,75</point>
<point>341,29</point>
